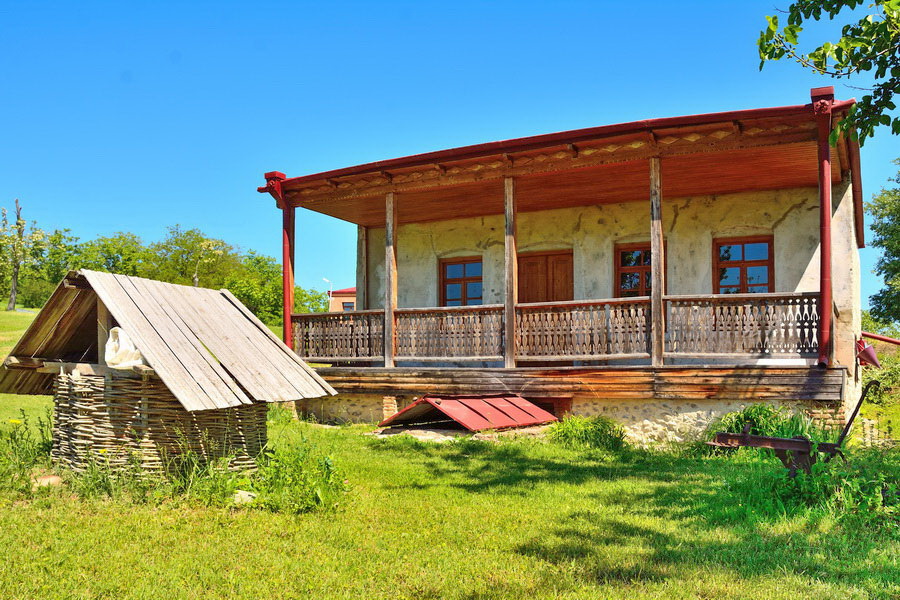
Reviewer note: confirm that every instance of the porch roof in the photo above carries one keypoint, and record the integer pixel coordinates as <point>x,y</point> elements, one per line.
<point>716,153</point>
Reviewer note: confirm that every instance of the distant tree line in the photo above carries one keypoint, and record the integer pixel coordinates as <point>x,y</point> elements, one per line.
<point>34,261</point>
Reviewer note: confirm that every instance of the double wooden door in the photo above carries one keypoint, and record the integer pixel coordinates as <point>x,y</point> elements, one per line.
<point>546,276</point>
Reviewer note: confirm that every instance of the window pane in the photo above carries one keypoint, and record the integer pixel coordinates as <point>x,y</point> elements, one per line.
<point>473,290</point>
<point>647,280</point>
<point>473,301</point>
<point>630,281</point>
<point>730,252</point>
<point>454,302</point>
<point>473,269</point>
<point>629,293</point>
<point>729,290</point>
<point>758,289</point>
<point>454,271</point>
<point>756,251</point>
<point>730,276</point>
<point>647,257</point>
<point>454,291</point>
<point>631,258</point>
<point>757,275</point>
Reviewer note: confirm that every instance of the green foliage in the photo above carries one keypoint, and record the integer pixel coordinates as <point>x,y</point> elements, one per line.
<point>23,448</point>
<point>123,253</point>
<point>296,479</point>
<point>189,257</point>
<point>34,292</point>
<point>889,377</point>
<point>768,420</point>
<point>870,45</point>
<point>258,285</point>
<point>587,432</point>
<point>884,209</point>
<point>862,492</point>
<point>310,301</point>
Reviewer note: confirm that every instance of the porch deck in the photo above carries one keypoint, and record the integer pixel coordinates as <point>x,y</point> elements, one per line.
<point>729,328</point>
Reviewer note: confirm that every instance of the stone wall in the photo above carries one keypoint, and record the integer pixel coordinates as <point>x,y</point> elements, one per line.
<point>645,421</point>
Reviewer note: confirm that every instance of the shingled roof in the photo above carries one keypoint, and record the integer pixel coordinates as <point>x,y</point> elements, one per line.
<point>206,346</point>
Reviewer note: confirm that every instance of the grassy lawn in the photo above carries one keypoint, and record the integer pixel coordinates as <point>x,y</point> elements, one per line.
<point>460,520</point>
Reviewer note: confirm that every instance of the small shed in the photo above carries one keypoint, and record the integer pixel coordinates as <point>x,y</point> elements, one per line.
<point>200,376</point>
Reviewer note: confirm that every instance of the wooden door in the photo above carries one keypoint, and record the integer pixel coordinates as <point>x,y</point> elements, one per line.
<point>546,277</point>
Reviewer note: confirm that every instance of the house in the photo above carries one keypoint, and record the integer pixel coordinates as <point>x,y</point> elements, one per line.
<point>196,373</point>
<point>660,272</point>
<point>342,300</point>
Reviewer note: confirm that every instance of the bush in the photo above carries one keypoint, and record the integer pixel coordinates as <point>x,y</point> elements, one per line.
<point>888,375</point>
<point>33,293</point>
<point>768,420</point>
<point>23,448</point>
<point>587,432</point>
<point>864,491</point>
<point>296,479</point>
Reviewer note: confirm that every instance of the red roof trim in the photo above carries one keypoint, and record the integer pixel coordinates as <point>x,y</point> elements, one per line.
<point>563,137</point>
<point>351,291</point>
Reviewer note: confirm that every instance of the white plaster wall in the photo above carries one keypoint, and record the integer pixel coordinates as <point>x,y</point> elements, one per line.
<point>591,232</point>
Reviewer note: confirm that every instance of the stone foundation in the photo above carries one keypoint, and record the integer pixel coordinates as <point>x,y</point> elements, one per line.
<point>645,421</point>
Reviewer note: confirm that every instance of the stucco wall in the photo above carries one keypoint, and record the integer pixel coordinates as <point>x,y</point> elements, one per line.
<point>689,224</point>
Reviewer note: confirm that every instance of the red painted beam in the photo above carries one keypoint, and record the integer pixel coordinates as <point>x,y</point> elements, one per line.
<point>822,105</point>
<point>880,338</point>
<point>287,271</point>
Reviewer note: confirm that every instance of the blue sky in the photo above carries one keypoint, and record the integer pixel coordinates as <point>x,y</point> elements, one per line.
<point>116,116</point>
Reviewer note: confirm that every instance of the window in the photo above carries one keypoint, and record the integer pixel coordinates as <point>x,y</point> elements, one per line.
<point>345,306</point>
<point>461,281</point>
<point>632,270</point>
<point>743,265</point>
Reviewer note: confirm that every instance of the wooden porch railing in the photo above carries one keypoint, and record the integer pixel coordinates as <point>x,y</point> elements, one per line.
<point>583,330</point>
<point>353,336</point>
<point>761,325</point>
<point>450,332</point>
<point>750,324</point>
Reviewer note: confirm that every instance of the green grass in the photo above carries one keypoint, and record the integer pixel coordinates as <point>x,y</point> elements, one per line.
<point>12,325</point>
<point>460,520</point>
<point>463,520</point>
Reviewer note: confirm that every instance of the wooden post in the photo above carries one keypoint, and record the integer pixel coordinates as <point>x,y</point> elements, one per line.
<point>390,277</point>
<point>362,267</point>
<point>287,271</point>
<point>511,275</point>
<point>657,268</point>
<point>822,101</point>
<point>104,322</point>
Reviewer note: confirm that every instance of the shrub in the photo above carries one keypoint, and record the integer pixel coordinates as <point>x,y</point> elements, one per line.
<point>33,293</point>
<point>587,432</point>
<point>22,449</point>
<point>296,479</point>
<point>768,420</point>
<point>888,375</point>
<point>865,490</point>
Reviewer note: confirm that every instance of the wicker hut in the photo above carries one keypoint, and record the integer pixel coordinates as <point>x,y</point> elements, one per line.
<point>197,374</point>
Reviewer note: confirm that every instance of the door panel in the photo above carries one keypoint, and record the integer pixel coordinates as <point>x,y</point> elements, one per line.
<point>532,278</point>
<point>561,284</point>
<point>546,277</point>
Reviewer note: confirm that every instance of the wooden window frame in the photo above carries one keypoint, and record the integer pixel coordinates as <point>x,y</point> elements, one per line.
<point>743,264</point>
<point>442,278</point>
<point>344,306</point>
<point>619,269</point>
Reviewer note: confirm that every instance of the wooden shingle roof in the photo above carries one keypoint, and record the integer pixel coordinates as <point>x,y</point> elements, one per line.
<point>206,346</point>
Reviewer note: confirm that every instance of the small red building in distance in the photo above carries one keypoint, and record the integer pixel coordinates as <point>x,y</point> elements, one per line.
<point>342,300</point>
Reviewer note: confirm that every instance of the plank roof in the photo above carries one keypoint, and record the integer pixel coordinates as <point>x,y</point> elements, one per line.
<point>206,346</point>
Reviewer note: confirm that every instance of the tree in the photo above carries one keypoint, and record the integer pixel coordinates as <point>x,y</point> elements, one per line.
<point>187,255</point>
<point>869,45</point>
<point>885,211</point>
<point>18,248</point>
<point>123,253</point>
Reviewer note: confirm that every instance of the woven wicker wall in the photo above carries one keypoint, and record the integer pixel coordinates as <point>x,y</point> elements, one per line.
<point>118,419</point>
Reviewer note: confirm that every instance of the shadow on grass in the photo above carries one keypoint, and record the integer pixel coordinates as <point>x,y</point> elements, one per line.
<point>662,515</point>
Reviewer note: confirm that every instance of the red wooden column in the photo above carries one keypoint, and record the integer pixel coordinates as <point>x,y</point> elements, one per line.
<point>287,271</point>
<point>822,101</point>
